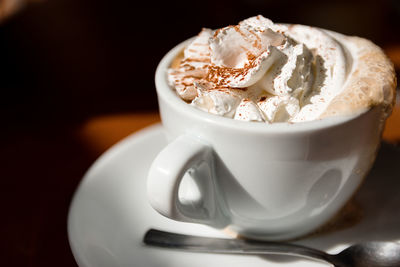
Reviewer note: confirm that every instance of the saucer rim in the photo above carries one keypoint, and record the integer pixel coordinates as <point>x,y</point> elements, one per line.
<point>120,148</point>
<point>135,137</point>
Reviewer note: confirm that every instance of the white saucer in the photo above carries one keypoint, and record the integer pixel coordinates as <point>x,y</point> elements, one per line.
<point>109,213</point>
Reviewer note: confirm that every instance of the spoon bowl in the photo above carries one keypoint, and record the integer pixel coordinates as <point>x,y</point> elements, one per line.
<point>384,254</point>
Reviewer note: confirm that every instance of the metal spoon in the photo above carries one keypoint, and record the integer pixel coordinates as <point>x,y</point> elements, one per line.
<point>383,254</point>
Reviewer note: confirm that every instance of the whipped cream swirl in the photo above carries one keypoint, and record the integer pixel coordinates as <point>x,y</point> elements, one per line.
<point>261,71</point>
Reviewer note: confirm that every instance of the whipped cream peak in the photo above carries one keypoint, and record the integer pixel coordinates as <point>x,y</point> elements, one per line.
<point>247,110</point>
<point>261,71</point>
<point>237,46</point>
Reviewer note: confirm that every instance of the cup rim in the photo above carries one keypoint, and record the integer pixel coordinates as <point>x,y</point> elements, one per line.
<point>167,93</point>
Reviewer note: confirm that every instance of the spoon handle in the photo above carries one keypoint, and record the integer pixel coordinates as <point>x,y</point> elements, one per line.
<point>230,246</point>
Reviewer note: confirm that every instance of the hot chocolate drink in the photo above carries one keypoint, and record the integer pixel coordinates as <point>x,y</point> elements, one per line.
<point>266,72</point>
<point>325,97</point>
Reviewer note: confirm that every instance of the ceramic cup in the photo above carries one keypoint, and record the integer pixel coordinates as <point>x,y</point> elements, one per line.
<point>265,181</point>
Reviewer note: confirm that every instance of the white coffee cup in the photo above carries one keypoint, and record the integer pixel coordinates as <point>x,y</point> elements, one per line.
<point>266,181</point>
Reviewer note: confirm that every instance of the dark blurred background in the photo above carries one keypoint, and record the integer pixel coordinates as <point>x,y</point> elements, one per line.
<point>63,62</point>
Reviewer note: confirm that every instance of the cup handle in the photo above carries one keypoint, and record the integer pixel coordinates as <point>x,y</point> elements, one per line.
<point>186,153</point>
